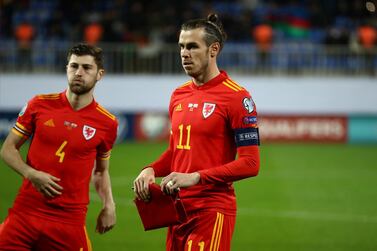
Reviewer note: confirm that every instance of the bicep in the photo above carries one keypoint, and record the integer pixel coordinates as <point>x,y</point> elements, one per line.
<point>14,140</point>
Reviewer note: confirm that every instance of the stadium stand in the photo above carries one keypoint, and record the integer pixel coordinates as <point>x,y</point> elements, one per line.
<point>318,37</point>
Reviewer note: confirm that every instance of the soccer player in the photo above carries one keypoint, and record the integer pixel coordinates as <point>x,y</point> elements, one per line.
<point>212,119</point>
<point>71,140</point>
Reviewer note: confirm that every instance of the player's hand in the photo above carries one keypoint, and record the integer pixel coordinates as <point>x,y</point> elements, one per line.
<point>171,183</point>
<point>45,183</point>
<point>106,219</point>
<point>141,183</point>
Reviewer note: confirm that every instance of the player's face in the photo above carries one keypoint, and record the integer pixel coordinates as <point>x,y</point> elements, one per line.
<point>194,52</point>
<point>82,73</point>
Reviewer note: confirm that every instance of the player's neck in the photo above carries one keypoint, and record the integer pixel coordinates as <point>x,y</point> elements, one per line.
<point>206,76</point>
<point>78,102</point>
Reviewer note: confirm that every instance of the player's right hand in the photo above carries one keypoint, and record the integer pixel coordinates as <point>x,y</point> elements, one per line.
<point>45,183</point>
<point>141,183</point>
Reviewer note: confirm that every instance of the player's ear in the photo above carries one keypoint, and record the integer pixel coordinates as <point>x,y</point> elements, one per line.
<point>100,74</point>
<point>214,49</point>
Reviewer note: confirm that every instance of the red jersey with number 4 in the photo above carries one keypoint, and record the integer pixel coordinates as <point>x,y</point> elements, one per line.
<point>64,143</point>
<point>210,123</point>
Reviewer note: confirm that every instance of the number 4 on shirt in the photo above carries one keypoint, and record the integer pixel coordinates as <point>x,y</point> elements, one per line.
<point>60,152</point>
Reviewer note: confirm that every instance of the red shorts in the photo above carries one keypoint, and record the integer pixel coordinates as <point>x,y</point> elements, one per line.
<point>26,232</point>
<point>204,231</point>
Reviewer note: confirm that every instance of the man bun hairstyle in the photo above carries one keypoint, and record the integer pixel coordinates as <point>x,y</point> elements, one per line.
<point>83,49</point>
<point>213,28</point>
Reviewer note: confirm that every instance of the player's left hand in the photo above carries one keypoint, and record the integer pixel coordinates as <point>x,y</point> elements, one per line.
<point>106,220</point>
<point>171,183</point>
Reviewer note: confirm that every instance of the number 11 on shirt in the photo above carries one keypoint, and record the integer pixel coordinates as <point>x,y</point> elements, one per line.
<point>181,132</point>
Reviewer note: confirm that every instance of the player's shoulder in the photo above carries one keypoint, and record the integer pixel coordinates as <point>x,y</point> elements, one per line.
<point>47,99</point>
<point>105,113</point>
<point>184,86</point>
<point>232,86</point>
<point>236,95</point>
<point>49,96</point>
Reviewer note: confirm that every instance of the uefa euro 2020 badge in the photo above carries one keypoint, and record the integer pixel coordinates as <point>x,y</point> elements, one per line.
<point>248,103</point>
<point>22,112</point>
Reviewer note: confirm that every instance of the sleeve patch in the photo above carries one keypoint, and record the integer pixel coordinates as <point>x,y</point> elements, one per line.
<point>247,137</point>
<point>22,112</point>
<point>248,103</point>
<point>247,120</point>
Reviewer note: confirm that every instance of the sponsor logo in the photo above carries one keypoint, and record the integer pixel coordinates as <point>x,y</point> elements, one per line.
<point>192,106</point>
<point>248,103</point>
<point>49,123</point>
<point>249,120</point>
<point>303,128</point>
<point>88,132</point>
<point>208,109</point>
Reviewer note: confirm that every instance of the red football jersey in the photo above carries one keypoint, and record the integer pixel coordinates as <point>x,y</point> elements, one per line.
<point>64,143</point>
<point>209,123</point>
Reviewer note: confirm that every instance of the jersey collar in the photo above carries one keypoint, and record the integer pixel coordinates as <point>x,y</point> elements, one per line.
<point>92,105</point>
<point>215,81</point>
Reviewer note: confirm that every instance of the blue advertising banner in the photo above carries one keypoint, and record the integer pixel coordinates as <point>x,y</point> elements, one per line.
<point>362,129</point>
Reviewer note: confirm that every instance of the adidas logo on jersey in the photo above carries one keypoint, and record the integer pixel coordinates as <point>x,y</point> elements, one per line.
<point>178,108</point>
<point>49,123</point>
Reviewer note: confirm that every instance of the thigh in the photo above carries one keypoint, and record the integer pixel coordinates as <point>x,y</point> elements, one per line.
<point>205,231</point>
<point>61,237</point>
<point>18,232</point>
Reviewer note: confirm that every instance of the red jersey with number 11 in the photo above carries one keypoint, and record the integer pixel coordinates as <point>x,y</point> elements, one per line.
<point>64,143</point>
<point>210,123</point>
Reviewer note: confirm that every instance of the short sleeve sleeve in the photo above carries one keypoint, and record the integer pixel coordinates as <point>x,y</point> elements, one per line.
<point>25,123</point>
<point>243,119</point>
<point>104,149</point>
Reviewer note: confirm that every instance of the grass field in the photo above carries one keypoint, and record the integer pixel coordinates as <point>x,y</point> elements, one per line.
<point>306,197</point>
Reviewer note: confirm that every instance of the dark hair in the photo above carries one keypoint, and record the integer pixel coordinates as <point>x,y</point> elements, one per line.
<point>213,29</point>
<point>87,49</point>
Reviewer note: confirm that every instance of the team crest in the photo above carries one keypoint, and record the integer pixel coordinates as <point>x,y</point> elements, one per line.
<point>88,132</point>
<point>208,109</point>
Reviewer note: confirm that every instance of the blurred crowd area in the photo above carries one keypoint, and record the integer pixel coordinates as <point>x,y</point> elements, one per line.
<point>153,24</point>
<point>142,21</point>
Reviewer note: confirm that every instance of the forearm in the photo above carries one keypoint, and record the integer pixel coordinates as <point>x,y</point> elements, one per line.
<point>101,179</point>
<point>247,165</point>
<point>162,165</point>
<point>102,184</point>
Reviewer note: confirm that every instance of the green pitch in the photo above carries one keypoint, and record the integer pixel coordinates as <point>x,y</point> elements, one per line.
<point>306,197</point>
